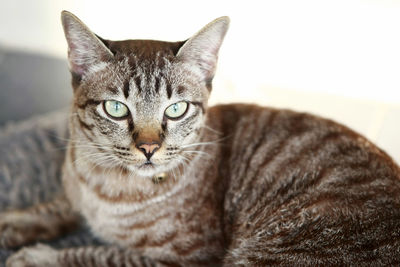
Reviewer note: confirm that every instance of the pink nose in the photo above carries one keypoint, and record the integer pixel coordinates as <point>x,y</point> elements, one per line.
<point>148,149</point>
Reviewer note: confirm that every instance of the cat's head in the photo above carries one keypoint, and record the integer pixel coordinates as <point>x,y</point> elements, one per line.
<point>139,103</point>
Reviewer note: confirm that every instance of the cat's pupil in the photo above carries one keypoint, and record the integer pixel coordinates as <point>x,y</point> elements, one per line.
<point>175,107</point>
<point>117,106</point>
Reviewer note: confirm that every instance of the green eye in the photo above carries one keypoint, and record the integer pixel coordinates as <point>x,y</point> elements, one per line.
<point>176,110</point>
<point>115,109</point>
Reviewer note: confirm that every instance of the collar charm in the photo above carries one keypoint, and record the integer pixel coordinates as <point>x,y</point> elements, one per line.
<point>159,178</point>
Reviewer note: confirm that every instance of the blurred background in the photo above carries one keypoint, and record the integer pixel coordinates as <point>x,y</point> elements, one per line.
<point>338,59</point>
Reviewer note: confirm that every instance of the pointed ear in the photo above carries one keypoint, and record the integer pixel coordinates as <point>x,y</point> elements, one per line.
<point>85,49</point>
<point>202,49</point>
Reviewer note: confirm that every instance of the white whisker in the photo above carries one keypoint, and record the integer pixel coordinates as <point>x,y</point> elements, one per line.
<point>211,129</point>
<point>196,152</point>
<point>213,142</point>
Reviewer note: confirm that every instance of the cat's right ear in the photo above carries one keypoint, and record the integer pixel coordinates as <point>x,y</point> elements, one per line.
<point>202,49</point>
<point>85,49</point>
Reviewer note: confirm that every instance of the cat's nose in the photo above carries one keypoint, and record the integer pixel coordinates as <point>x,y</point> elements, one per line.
<point>148,149</point>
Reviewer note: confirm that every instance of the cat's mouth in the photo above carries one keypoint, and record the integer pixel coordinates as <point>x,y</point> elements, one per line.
<point>148,165</point>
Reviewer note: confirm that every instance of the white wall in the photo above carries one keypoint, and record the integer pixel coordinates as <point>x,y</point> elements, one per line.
<point>340,59</point>
<point>345,47</point>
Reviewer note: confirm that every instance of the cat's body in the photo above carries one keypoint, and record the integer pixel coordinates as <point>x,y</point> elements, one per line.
<point>228,185</point>
<point>253,186</point>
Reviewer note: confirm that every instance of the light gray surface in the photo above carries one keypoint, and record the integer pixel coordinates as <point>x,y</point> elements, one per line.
<point>31,156</point>
<point>32,150</point>
<point>31,84</point>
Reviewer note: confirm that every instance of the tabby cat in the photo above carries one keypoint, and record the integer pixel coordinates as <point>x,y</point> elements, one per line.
<point>167,181</point>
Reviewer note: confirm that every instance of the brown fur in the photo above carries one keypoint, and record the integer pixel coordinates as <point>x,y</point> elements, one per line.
<point>256,187</point>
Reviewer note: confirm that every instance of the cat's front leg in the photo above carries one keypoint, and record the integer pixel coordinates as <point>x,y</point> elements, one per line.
<point>41,222</point>
<point>103,256</point>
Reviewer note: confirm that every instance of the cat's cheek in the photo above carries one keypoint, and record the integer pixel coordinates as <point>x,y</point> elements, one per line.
<point>181,133</point>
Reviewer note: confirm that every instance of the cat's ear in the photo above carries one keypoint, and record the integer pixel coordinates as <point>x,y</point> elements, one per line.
<point>202,49</point>
<point>85,49</point>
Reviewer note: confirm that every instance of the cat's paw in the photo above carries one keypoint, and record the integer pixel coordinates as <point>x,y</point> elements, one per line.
<point>39,255</point>
<point>11,230</point>
<point>17,228</point>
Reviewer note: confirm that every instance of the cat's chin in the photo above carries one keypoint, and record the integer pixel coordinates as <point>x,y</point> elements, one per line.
<point>150,169</point>
<point>147,170</point>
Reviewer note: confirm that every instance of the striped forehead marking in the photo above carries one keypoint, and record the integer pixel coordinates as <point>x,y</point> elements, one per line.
<point>148,77</point>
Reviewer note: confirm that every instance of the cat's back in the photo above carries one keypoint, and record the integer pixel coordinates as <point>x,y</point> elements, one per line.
<point>298,184</point>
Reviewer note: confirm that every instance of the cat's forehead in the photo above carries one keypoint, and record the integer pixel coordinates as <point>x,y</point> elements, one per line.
<point>143,70</point>
<point>143,50</point>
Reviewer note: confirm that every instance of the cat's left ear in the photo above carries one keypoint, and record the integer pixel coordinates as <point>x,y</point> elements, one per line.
<point>202,49</point>
<point>85,49</point>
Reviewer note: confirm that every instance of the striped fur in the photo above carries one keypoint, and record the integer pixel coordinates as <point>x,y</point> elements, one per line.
<point>246,185</point>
